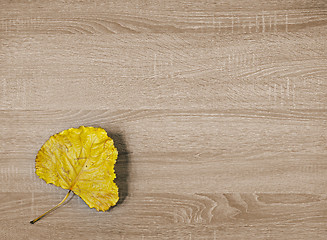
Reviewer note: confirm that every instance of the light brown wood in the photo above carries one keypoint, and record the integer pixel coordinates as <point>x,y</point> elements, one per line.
<point>217,108</point>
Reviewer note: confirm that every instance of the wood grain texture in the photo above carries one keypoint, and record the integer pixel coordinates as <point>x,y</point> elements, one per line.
<point>217,108</point>
<point>205,71</point>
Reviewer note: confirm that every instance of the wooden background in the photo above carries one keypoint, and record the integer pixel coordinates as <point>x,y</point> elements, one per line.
<point>217,108</point>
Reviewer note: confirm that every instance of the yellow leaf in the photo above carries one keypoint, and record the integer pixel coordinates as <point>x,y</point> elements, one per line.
<point>81,160</point>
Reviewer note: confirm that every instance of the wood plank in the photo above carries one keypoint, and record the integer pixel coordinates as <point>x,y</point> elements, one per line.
<point>182,216</point>
<point>178,71</point>
<point>206,151</point>
<point>186,173</point>
<point>218,133</point>
<point>192,16</point>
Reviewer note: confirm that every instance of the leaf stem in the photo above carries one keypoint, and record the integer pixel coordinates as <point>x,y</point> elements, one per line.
<point>38,218</point>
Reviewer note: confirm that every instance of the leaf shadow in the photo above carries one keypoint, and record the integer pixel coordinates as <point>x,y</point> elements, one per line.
<point>121,166</point>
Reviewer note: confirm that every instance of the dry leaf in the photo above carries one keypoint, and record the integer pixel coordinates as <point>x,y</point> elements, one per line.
<point>81,160</point>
